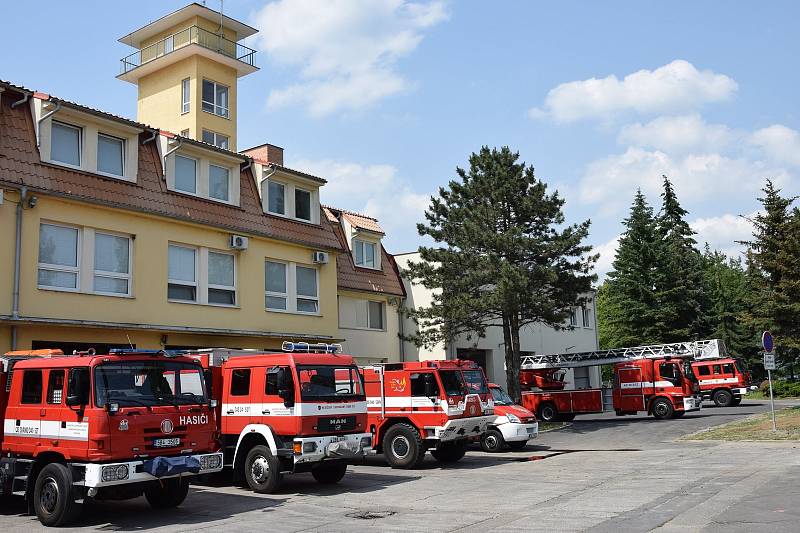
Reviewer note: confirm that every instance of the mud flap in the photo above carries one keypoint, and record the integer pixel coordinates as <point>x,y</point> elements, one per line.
<point>171,466</point>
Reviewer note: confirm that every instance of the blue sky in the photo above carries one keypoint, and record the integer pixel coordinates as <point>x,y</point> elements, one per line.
<point>384,98</point>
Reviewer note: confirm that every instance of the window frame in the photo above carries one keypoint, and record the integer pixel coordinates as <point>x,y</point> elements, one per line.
<point>214,104</point>
<point>383,315</point>
<point>123,155</point>
<point>228,188</point>
<point>573,317</point>
<point>215,138</point>
<point>184,283</point>
<point>362,245</point>
<point>196,175</point>
<point>80,144</point>
<point>586,317</point>
<point>284,295</point>
<point>310,203</point>
<point>284,186</point>
<point>61,268</point>
<point>113,275</point>
<point>186,95</point>
<point>297,295</point>
<point>231,288</point>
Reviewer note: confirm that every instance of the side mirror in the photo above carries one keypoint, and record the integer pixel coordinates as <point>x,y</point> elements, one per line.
<point>429,389</point>
<point>73,400</point>
<point>285,389</point>
<point>212,404</point>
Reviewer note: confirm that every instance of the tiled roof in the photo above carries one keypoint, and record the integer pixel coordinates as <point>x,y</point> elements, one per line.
<point>359,221</point>
<point>349,276</point>
<point>20,165</point>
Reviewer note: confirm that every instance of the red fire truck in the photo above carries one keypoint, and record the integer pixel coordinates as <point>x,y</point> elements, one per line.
<point>302,410</point>
<point>110,427</point>
<point>724,380</point>
<point>657,379</point>
<point>427,405</point>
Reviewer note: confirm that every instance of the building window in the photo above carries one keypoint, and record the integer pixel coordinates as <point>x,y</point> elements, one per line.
<point>217,139</point>
<point>365,253</point>
<point>112,264</point>
<point>185,95</point>
<point>58,257</point>
<point>218,183</point>
<point>185,174</point>
<point>375,315</point>
<point>276,285</point>
<point>276,200</point>
<point>65,143</point>
<point>221,279</point>
<point>110,155</point>
<point>361,314</point>
<point>573,317</point>
<point>215,98</point>
<point>587,317</point>
<point>185,133</point>
<point>302,204</point>
<point>182,284</point>
<point>307,290</point>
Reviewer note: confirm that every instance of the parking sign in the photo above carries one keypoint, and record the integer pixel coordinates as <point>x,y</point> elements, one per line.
<point>769,361</point>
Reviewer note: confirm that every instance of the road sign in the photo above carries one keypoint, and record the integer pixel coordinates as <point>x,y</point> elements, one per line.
<point>769,361</point>
<point>767,341</point>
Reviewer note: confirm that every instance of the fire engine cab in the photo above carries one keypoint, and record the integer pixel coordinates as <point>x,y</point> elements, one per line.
<point>427,405</point>
<point>301,410</point>
<point>105,427</point>
<point>657,379</point>
<point>724,380</point>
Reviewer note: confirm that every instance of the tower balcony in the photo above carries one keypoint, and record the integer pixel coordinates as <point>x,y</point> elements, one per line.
<point>192,40</point>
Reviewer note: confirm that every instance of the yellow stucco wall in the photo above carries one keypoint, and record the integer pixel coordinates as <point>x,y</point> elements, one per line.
<point>373,345</point>
<point>7,215</point>
<point>148,303</point>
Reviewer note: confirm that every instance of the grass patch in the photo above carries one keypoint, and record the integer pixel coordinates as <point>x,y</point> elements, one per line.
<point>550,426</point>
<point>758,427</point>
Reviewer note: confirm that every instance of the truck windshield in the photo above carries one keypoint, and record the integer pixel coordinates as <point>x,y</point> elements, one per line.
<point>741,366</point>
<point>148,383</point>
<point>452,382</point>
<point>476,383</point>
<point>501,397</point>
<point>326,382</point>
<point>688,371</point>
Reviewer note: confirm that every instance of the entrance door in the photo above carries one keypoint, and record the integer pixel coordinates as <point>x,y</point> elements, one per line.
<point>629,389</point>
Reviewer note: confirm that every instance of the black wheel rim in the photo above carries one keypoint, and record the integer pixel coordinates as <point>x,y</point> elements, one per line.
<point>548,413</point>
<point>400,447</point>
<point>48,499</point>
<point>661,409</point>
<point>492,442</point>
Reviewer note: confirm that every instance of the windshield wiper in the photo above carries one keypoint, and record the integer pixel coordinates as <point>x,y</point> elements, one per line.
<point>133,400</point>
<point>184,399</point>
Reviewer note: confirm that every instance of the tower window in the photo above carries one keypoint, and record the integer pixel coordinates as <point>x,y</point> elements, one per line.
<point>185,96</point>
<point>215,98</point>
<point>217,139</point>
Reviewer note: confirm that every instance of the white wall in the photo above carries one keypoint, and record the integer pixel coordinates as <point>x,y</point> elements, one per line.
<point>369,345</point>
<point>533,338</point>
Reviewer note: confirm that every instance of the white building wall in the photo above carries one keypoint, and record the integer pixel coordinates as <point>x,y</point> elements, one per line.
<point>533,338</point>
<point>370,346</point>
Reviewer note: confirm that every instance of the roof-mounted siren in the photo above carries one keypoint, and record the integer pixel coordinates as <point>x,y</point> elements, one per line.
<point>310,347</point>
<point>319,258</point>
<point>238,242</point>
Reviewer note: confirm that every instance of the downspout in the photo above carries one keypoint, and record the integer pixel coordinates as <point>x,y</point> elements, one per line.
<point>401,327</point>
<point>249,164</point>
<point>21,101</point>
<point>23,196</point>
<point>45,117</point>
<point>164,167</point>
<point>151,138</point>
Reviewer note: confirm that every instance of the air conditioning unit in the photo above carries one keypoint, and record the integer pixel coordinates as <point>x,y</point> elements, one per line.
<point>238,242</point>
<point>320,258</point>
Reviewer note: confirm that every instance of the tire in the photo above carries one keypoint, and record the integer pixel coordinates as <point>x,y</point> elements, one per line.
<point>167,493</point>
<point>54,496</point>
<point>567,417</point>
<point>517,445</point>
<point>722,398</point>
<point>450,452</point>
<point>678,414</point>
<point>547,412</point>
<point>403,447</point>
<point>262,470</point>
<point>492,441</point>
<point>736,401</point>
<point>662,409</point>
<point>329,473</point>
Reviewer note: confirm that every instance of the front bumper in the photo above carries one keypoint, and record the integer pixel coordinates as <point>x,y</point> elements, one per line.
<point>513,432</point>
<point>316,449</point>
<point>93,473</point>
<point>692,403</point>
<point>458,428</point>
<point>741,391</point>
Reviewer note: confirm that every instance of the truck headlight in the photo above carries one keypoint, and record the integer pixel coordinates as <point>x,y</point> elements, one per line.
<point>366,442</point>
<point>309,447</point>
<point>514,419</point>
<point>115,472</point>
<point>210,462</point>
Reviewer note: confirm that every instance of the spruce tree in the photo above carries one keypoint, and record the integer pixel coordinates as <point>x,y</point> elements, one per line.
<point>726,281</point>
<point>503,257</point>
<point>787,295</point>
<point>628,309</point>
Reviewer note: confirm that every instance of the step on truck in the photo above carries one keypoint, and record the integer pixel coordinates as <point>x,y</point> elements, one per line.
<point>724,381</point>
<point>103,427</point>
<point>300,410</point>
<point>428,405</point>
<point>656,379</point>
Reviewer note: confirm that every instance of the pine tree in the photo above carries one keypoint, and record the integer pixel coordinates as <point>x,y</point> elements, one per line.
<point>682,304</point>
<point>787,295</point>
<point>505,257</point>
<point>726,281</point>
<point>627,310</point>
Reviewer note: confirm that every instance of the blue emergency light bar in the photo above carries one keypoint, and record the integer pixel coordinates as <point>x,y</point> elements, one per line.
<point>137,351</point>
<point>307,347</point>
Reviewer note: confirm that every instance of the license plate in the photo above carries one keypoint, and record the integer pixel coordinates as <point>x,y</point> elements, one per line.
<point>335,423</point>
<point>166,443</point>
<point>338,439</point>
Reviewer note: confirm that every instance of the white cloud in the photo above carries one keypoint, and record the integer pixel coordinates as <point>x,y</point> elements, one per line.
<point>678,134</point>
<point>722,232</point>
<point>676,86</point>
<point>346,50</point>
<point>607,252</point>
<point>779,142</point>
<point>374,190</point>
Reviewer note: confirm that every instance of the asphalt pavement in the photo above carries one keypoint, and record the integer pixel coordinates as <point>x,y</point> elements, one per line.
<point>602,473</point>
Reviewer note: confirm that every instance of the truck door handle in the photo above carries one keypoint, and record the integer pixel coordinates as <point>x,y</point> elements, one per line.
<point>230,411</point>
<point>265,412</point>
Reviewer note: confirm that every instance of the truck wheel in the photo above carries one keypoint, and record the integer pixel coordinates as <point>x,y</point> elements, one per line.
<point>517,445</point>
<point>53,496</point>
<point>167,493</point>
<point>722,398</point>
<point>403,447</point>
<point>662,409</point>
<point>450,452</point>
<point>567,417</point>
<point>492,441</point>
<point>678,414</point>
<point>329,473</point>
<point>547,412</point>
<point>262,470</point>
<point>736,401</point>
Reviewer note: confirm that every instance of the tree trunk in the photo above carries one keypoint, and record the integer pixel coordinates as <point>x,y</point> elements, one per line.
<point>511,377</point>
<point>516,359</point>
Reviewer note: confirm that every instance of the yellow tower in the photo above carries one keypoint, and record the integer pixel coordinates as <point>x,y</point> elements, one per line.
<point>186,66</point>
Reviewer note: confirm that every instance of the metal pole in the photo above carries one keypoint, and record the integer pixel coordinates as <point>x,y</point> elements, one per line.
<point>771,400</point>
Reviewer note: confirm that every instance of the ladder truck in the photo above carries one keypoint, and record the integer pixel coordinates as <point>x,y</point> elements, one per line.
<point>657,379</point>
